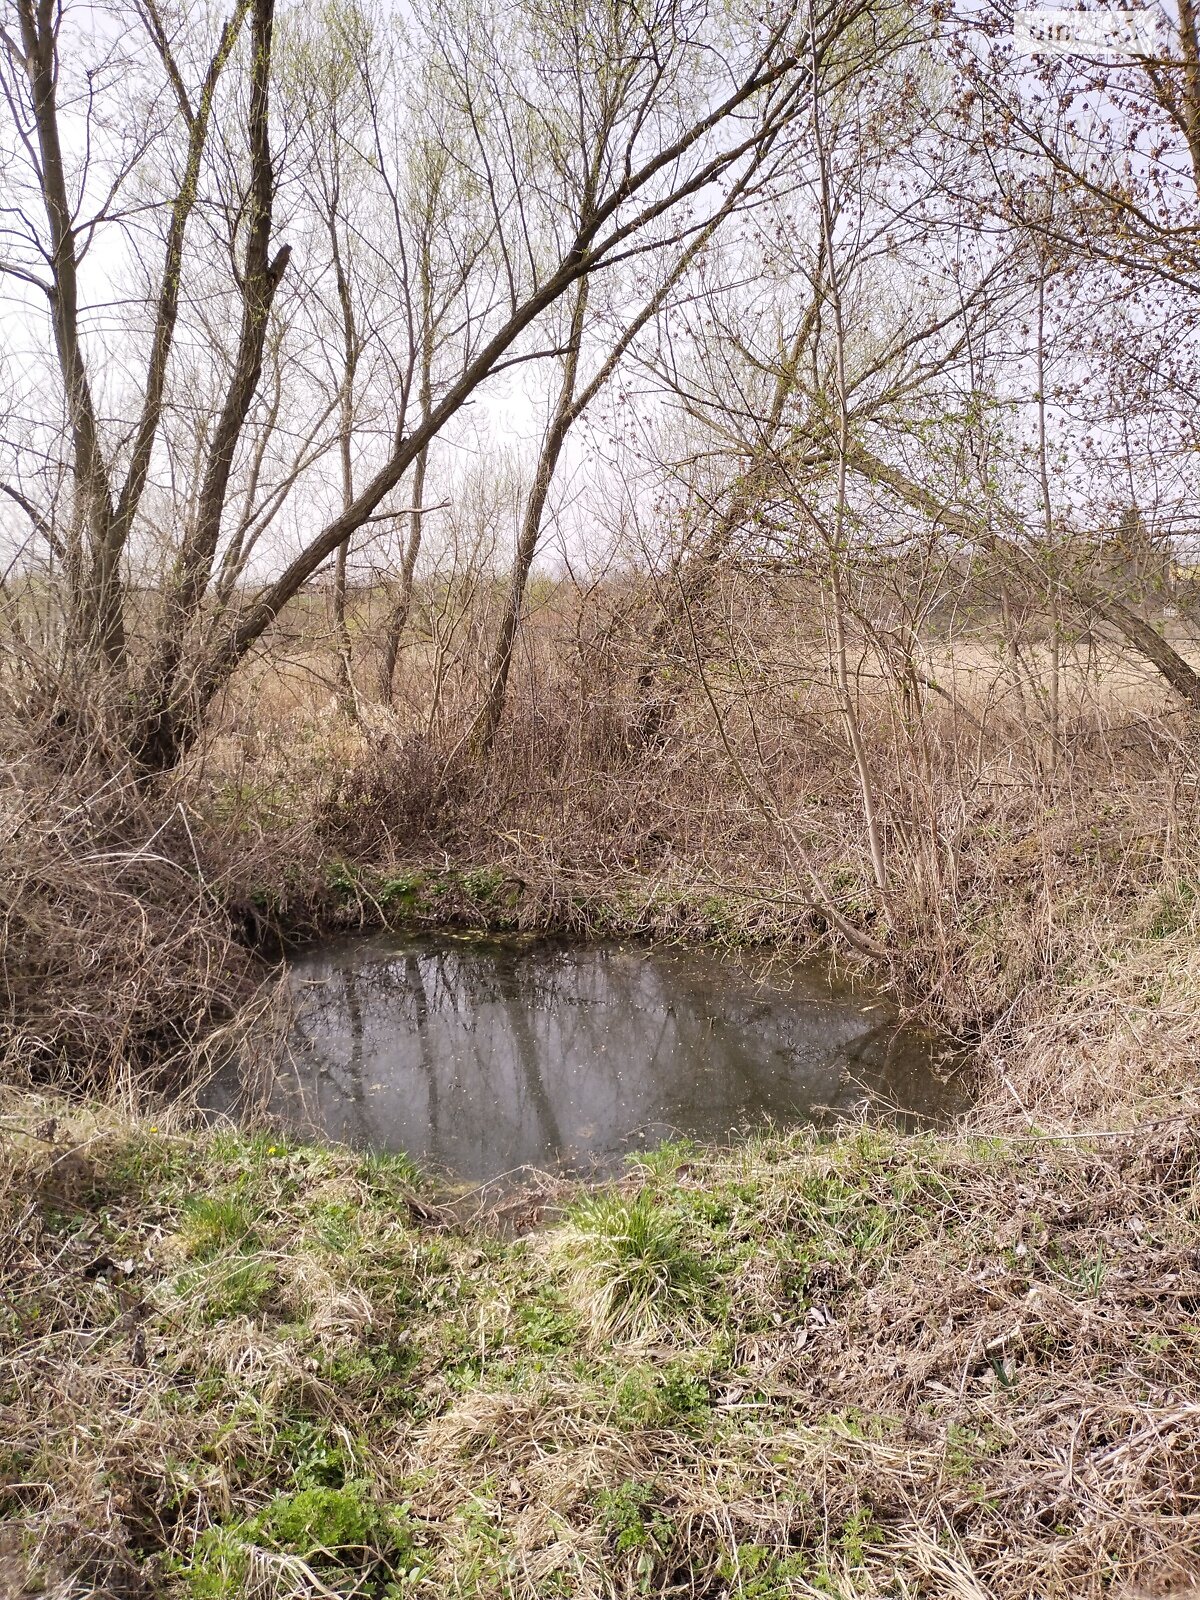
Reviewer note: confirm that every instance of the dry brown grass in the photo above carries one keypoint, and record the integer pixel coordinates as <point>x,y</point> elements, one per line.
<point>118,958</point>
<point>1027,870</point>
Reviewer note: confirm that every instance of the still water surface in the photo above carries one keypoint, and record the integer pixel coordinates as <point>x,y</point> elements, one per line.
<point>482,1056</point>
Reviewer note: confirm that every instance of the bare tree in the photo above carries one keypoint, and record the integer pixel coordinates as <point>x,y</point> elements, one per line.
<point>1098,161</point>
<point>856,325</point>
<point>575,395</point>
<point>693,122</point>
<point>106,504</point>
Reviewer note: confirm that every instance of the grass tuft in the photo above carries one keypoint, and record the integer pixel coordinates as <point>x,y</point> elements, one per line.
<point>629,1264</point>
<point>212,1223</point>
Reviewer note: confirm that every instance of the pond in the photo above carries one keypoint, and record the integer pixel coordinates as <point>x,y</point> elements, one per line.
<point>479,1057</point>
<point>482,1056</point>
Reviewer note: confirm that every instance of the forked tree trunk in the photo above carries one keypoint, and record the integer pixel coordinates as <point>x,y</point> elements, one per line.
<point>173,692</point>
<point>178,686</point>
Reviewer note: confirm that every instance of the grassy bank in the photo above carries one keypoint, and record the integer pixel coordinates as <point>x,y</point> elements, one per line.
<point>958,1366</point>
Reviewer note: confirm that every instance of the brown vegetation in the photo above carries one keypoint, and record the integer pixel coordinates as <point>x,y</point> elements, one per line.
<point>118,963</point>
<point>872,637</point>
<point>1025,874</point>
<point>1021,871</point>
<point>960,1365</point>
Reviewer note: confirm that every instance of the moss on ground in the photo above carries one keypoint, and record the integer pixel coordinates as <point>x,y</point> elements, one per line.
<point>495,897</point>
<point>859,1365</point>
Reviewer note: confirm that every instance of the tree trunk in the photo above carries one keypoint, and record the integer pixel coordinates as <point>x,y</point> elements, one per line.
<point>345,677</point>
<point>487,721</point>
<point>174,691</point>
<point>398,617</point>
<point>1182,677</point>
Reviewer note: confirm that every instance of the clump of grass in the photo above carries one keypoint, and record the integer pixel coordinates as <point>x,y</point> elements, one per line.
<point>228,1287</point>
<point>318,1536</point>
<point>212,1223</point>
<point>630,1266</point>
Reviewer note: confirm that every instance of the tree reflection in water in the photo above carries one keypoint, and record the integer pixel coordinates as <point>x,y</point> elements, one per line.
<point>482,1056</point>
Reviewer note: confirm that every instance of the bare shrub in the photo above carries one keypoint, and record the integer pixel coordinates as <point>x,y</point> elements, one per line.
<point>393,798</point>
<point>118,956</point>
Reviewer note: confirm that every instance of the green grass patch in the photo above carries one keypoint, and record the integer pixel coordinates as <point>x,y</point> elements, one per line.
<point>630,1262</point>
